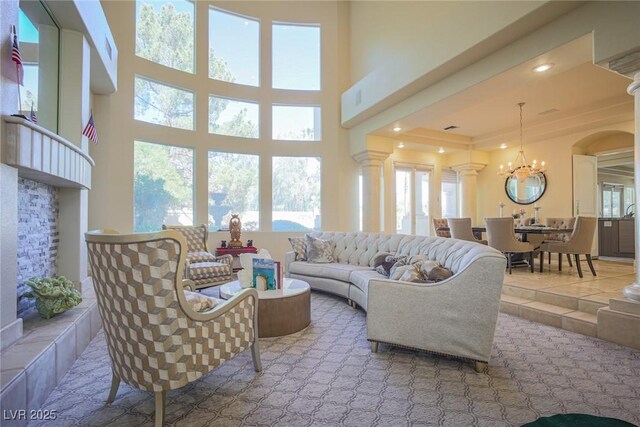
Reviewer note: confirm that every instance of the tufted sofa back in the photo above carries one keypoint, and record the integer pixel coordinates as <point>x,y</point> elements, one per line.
<point>361,248</point>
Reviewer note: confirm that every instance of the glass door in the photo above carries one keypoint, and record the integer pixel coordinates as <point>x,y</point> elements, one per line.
<point>412,200</point>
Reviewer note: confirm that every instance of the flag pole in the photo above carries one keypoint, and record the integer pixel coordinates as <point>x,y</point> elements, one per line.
<point>14,33</point>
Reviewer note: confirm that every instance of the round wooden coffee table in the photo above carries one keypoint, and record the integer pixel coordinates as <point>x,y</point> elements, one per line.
<point>280,312</point>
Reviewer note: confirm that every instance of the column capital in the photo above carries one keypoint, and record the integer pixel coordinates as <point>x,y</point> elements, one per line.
<point>370,158</point>
<point>468,169</point>
<point>635,86</point>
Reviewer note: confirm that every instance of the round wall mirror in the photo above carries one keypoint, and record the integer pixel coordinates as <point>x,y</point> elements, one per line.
<point>528,191</point>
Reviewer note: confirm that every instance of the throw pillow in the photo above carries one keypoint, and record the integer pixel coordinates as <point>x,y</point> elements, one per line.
<point>413,275</point>
<point>434,271</point>
<point>381,270</point>
<point>397,272</point>
<point>440,273</point>
<point>399,262</point>
<point>417,258</point>
<point>200,302</point>
<point>318,250</point>
<point>380,258</point>
<point>299,246</point>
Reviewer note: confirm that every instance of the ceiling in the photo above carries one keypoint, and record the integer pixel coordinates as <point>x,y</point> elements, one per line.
<point>617,163</point>
<point>573,92</point>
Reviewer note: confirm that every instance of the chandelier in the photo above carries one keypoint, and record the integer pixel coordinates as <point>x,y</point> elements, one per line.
<point>520,169</point>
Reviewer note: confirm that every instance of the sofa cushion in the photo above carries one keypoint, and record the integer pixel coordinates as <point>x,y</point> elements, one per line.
<point>200,302</point>
<point>318,250</point>
<point>329,270</point>
<point>299,246</point>
<point>200,256</point>
<point>360,278</point>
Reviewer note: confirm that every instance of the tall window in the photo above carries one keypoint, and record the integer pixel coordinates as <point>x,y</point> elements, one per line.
<point>296,123</point>
<point>28,36</point>
<point>449,193</point>
<point>163,186</point>
<point>234,118</point>
<point>234,188</point>
<point>412,200</point>
<point>165,32</point>
<point>234,48</point>
<point>629,199</point>
<point>296,193</point>
<point>296,57</point>
<point>163,105</point>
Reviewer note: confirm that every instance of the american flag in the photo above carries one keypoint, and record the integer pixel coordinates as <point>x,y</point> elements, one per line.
<point>90,130</point>
<point>33,117</point>
<point>16,56</point>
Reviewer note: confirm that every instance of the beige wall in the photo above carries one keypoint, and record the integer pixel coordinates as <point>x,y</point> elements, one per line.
<point>557,201</point>
<point>111,200</point>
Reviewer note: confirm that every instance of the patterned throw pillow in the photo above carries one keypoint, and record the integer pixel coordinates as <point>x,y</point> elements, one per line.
<point>200,302</point>
<point>434,271</point>
<point>318,250</point>
<point>299,246</point>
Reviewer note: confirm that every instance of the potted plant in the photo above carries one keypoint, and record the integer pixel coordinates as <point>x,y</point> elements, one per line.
<point>54,295</point>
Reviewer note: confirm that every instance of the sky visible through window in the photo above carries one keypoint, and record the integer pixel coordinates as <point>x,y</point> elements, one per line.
<point>296,57</point>
<point>236,40</point>
<point>27,32</point>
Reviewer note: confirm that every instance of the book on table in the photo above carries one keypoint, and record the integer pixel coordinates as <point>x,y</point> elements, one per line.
<point>264,275</point>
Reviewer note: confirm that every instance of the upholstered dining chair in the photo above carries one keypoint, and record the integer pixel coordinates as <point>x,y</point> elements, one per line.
<point>579,243</point>
<point>500,236</point>
<point>562,223</point>
<point>461,229</point>
<point>202,267</point>
<point>156,341</point>
<point>439,223</point>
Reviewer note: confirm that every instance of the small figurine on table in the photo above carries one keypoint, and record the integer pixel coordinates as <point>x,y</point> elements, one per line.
<point>250,243</point>
<point>223,244</point>
<point>235,229</point>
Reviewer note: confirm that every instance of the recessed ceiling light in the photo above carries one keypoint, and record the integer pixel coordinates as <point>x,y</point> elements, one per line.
<point>397,129</point>
<point>503,146</point>
<point>542,68</point>
<point>441,150</point>
<point>401,145</point>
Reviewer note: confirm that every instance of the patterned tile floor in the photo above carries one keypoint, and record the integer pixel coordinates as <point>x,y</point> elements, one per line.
<point>326,376</point>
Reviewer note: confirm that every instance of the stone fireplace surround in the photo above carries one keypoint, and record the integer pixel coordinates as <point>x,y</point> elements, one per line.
<point>44,180</point>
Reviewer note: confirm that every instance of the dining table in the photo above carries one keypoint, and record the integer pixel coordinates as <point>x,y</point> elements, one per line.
<point>524,231</point>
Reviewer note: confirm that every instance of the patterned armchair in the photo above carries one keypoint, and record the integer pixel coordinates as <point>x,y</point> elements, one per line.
<point>156,341</point>
<point>438,223</point>
<point>202,267</point>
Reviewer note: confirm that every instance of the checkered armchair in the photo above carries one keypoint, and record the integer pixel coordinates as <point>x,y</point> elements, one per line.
<point>156,341</point>
<point>202,267</point>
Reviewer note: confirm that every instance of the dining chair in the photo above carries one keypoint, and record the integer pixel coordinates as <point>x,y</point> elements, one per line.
<point>156,341</point>
<point>439,223</point>
<point>500,235</point>
<point>579,243</point>
<point>561,223</point>
<point>461,229</point>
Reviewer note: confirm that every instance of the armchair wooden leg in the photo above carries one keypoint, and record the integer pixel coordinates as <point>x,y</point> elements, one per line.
<point>569,259</point>
<point>481,366</point>
<point>374,346</point>
<point>578,265</point>
<point>559,262</point>
<point>593,271</point>
<point>159,422</point>
<point>255,354</point>
<point>509,262</point>
<point>115,383</point>
<point>542,260</point>
<point>549,258</point>
<point>531,260</point>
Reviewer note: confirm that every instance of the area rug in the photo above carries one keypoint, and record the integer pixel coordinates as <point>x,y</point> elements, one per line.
<point>326,375</point>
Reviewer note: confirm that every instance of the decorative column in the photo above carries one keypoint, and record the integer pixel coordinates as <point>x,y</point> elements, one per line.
<point>371,164</point>
<point>468,176</point>
<point>633,291</point>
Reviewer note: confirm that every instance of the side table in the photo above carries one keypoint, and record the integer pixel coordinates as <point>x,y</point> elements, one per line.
<point>235,252</point>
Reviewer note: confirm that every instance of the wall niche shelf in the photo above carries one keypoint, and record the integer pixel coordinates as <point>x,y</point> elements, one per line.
<point>44,156</point>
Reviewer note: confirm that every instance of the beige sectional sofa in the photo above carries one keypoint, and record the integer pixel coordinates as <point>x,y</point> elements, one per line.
<point>456,316</point>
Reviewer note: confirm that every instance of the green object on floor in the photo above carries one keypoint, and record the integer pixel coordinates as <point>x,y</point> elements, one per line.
<point>54,295</point>
<point>577,420</point>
